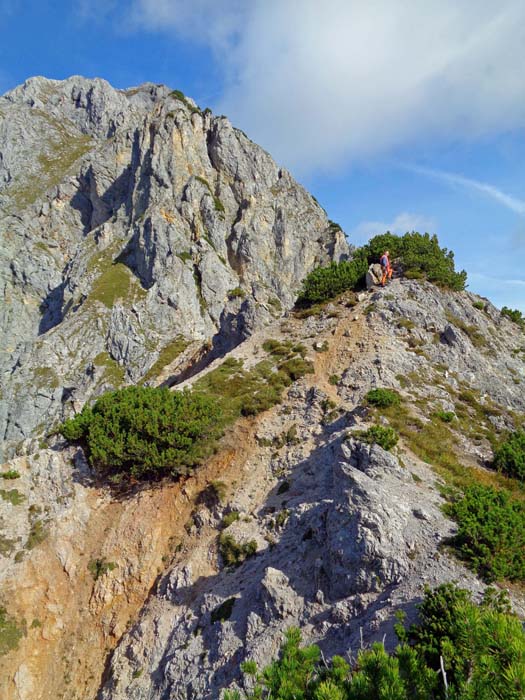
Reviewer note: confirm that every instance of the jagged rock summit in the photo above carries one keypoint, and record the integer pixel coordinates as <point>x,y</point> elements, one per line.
<point>134,226</point>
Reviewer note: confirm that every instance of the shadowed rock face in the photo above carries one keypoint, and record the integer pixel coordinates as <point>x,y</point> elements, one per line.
<point>129,218</point>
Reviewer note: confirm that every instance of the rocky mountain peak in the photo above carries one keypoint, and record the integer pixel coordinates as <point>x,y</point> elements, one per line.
<point>133,221</point>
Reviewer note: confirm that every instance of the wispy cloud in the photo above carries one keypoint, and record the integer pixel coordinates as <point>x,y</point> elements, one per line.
<point>322,84</point>
<point>403,222</point>
<point>453,179</point>
<point>496,280</point>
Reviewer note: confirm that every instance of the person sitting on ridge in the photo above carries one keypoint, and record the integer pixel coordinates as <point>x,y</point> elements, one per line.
<point>386,268</point>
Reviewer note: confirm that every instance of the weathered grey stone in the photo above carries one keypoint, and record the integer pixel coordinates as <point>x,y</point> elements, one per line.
<point>129,218</point>
<point>373,275</point>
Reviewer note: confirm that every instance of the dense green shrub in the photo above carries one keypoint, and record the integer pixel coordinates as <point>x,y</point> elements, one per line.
<point>514,315</point>
<point>236,292</point>
<point>382,398</point>
<point>509,457</point>
<point>100,567</point>
<point>385,437</point>
<point>10,474</point>
<point>325,283</point>
<point>491,532</point>
<point>146,431</point>
<point>419,255</point>
<point>482,649</point>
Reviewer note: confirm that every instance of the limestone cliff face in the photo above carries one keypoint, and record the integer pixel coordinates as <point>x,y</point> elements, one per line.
<point>130,220</point>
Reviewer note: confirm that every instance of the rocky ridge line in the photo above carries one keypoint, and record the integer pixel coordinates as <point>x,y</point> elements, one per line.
<point>134,225</point>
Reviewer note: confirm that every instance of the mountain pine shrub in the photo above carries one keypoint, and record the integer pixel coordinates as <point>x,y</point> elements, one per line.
<point>146,432</point>
<point>419,255</point>
<point>491,532</point>
<point>514,315</point>
<point>325,283</point>
<point>382,398</point>
<point>385,437</point>
<point>509,457</point>
<point>482,649</point>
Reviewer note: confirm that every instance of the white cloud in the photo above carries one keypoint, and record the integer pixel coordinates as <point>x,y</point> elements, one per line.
<point>508,201</point>
<point>319,84</point>
<point>401,224</point>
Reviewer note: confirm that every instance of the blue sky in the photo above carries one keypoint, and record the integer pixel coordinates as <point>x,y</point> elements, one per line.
<point>401,115</point>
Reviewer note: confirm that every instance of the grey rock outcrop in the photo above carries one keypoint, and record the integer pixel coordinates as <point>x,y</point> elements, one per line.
<point>373,275</point>
<point>130,219</point>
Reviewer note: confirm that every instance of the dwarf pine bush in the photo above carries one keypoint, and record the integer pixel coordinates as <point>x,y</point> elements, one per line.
<point>482,649</point>
<point>384,436</point>
<point>325,283</point>
<point>146,432</point>
<point>509,457</point>
<point>419,255</point>
<point>382,398</point>
<point>514,315</point>
<point>491,532</point>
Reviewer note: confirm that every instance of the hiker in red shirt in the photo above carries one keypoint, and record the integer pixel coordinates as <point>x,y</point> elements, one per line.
<point>386,268</point>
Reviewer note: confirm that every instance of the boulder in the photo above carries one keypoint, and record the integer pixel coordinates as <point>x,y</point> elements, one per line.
<point>373,276</point>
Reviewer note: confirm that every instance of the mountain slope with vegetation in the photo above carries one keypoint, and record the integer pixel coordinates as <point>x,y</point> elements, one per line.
<point>198,472</point>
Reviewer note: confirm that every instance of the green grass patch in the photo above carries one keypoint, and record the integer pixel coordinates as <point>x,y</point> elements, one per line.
<point>114,283</point>
<point>167,355</point>
<point>45,377</point>
<point>275,303</point>
<point>37,534</point>
<point>240,392</point>
<point>10,633</point>
<point>477,339</point>
<point>230,518</point>
<point>60,153</point>
<point>7,546</point>
<point>11,474</point>
<point>236,293</point>
<point>234,553</point>
<point>13,496</point>
<point>218,491</point>
<point>100,567</point>
<point>406,323</point>
<point>445,416</point>
<point>383,436</point>
<point>114,373</point>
